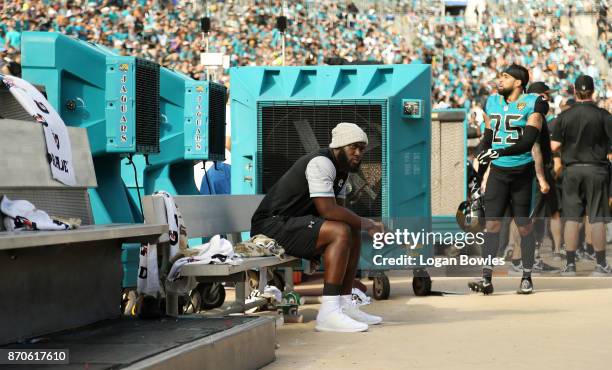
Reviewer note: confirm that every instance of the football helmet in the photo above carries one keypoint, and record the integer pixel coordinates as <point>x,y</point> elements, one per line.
<point>470,215</point>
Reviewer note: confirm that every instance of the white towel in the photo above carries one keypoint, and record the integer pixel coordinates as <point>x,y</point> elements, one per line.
<point>217,251</point>
<point>148,273</point>
<point>59,150</point>
<point>23,215</point>
<point>172,217</point>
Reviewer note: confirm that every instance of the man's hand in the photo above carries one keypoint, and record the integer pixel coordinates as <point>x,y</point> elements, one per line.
<point>372,227</point>
<point>544,186</point>
<point>485,158</point>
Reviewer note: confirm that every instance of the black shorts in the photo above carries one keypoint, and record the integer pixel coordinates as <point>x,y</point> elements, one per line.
<point>585,192</point>
<point>509,186</point>
<point>297,235</point>
<point>548,204</point>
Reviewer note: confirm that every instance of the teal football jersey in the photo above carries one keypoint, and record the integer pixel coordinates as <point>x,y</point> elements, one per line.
<point>508,120</point>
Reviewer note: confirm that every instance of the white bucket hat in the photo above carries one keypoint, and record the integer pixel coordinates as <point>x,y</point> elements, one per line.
<point>346,133</point>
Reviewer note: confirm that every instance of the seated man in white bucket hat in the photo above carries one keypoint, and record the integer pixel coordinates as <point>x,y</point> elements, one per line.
<point>304,211</point>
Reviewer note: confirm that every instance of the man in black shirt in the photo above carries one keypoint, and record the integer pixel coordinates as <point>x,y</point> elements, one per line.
<point>547,200</point>
<point>583,133</point>
<point>304,211</point>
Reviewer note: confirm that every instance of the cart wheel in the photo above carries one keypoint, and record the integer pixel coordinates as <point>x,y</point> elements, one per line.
<point>382,287</point>
<point>194,304</point>
<point>212,295</point>
<point>421,283</point>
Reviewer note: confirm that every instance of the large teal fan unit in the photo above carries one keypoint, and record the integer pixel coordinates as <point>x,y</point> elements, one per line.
<point>282,113</point>
<point>192,129</point>
<point>116,98</point>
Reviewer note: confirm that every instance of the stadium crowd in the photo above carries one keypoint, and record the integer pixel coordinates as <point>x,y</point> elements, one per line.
<point>465,58</point>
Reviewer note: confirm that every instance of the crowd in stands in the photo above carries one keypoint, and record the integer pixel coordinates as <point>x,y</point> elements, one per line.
<point>604,33</point>
<point>465,58</point>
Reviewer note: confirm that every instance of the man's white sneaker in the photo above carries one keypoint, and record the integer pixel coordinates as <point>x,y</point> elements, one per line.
<point>352,309</point>
<point>339,322</point>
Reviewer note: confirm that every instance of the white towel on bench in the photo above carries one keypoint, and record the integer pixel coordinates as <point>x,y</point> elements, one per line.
<point>23,215</point>
<point>148,273</point>
<point>217,251</point>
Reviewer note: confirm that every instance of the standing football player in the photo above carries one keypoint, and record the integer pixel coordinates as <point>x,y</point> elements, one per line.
<point>513,121</point>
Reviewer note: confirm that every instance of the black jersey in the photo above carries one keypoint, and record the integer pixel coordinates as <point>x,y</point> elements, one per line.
<point>585,134</point>
<point>313,175</point>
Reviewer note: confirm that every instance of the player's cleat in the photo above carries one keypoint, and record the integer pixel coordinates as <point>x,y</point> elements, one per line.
<point>515,270</point>
<point>569,270</point>
<point>542,267</point>
<point>602,271</point>
<point>557,257</point>
<point>589,257</point>
<point>481,286</point>
<point>526,286</point>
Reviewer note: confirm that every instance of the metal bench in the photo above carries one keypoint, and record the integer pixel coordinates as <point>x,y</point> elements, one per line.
<point>208,215</point>
<point>55,280</point>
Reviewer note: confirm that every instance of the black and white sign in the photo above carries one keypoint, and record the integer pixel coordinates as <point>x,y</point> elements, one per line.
<point>56,135</point>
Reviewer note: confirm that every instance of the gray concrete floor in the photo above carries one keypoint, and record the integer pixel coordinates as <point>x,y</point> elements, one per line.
<point>566,324</point>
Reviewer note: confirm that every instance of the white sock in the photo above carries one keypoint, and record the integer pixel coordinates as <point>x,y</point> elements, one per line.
<point>329,304</point>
